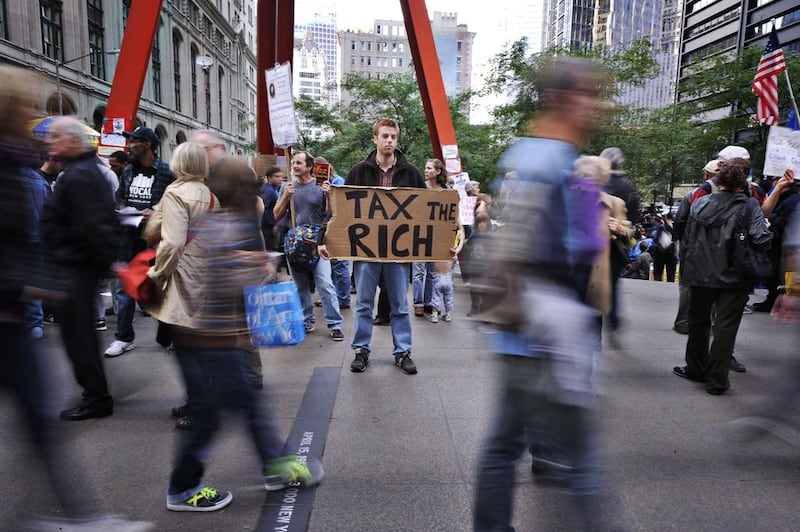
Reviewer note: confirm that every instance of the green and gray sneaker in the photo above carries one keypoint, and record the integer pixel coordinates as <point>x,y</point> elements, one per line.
<point>205,500</point>
<point>285,471</point>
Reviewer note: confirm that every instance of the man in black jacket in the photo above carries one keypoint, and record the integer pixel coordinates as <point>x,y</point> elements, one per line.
<point>384,167</point>
<point>712,278</point>
<point>80,231</point>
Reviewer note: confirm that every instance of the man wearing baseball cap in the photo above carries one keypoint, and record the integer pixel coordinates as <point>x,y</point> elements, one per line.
<point>141,186</point>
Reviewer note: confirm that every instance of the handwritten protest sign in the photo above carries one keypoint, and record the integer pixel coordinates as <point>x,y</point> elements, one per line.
<point>783,151</point>
<point>392,224</point>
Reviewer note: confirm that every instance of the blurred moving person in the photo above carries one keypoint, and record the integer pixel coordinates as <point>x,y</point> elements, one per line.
<point>211,346</point>
<point>545,343</point>
<point>81,233</point>
<point>23,278</point>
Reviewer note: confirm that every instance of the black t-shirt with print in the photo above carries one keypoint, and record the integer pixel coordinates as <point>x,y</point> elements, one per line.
<point>140,192</point>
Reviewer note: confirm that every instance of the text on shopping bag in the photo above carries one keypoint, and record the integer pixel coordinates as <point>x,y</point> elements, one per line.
<point>392,224</point>
<point>274,315</point>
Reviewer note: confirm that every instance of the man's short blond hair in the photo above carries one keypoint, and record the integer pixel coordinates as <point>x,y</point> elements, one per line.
<point>385,122</point>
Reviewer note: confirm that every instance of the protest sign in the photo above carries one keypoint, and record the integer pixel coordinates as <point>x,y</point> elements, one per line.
<point>280,104</point>
<point>783,151</point>
<point>392,224</point>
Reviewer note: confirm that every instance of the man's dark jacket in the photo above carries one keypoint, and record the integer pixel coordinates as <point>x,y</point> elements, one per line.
<point>707,240</point>
<point>367,173</point>
<point>80,227</point>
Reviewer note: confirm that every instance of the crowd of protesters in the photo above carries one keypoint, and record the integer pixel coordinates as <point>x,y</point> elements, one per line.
<point>541,259</point>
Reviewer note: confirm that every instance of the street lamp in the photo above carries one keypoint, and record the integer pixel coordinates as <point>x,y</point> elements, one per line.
<point>59,64</point>
<point>205,62</point>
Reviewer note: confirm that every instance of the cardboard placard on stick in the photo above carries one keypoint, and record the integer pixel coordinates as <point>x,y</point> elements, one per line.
<point>392,224</point>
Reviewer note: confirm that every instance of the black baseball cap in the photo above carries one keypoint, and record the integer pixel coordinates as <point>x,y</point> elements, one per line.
<point>143,133</point>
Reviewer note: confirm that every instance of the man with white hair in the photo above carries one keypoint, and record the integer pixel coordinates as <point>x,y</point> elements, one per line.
<point>80,231</point>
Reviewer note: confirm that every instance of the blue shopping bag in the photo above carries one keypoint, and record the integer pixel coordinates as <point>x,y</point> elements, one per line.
<point>274,315</point>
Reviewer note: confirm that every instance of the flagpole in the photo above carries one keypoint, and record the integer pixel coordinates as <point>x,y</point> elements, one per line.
<point>791,93</point>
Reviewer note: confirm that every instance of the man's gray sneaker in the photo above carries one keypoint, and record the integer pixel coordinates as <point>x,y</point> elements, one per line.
<point>404,362</point>
<point>361,361</point>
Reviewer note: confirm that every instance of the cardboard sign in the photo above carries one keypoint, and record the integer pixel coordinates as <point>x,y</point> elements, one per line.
<point>783,151</point>
<point>392,224</point>
<point>322,172</point>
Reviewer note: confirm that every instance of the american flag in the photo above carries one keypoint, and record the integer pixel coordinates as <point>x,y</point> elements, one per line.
<point>765,84</point>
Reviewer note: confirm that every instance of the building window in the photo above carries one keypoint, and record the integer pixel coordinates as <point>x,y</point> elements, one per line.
<point>176,68</point>
<point>194,14</point>
<point>378,29</point>
<point>220,78</point>
<point>3,22</point>
<point>194,81</point>
<point>52,35</point>
<point>352,45</point>
<point>155,61</point>
<point>97,59</point>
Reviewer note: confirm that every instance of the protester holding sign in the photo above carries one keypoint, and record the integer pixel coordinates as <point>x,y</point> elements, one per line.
<point>311,207</point>
<point>386,166</point>
<point>424,273</point>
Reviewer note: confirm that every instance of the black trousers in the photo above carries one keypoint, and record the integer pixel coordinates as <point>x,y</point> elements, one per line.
<point>664,260</point>
<point>80,337</point>
<point>713,363</point>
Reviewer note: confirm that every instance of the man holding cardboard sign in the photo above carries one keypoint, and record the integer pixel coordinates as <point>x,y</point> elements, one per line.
<point>311,206</point>
<point>384,167</point>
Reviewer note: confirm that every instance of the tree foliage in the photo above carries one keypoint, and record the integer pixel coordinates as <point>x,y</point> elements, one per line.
<point>349,127</point>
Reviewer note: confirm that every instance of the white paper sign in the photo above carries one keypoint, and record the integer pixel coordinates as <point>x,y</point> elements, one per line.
<point>450,151</point>
<point>783,151</point>
<point>280,103</point>
<point>453,166</point>
<point>114,138</point>
<point>466,209</point>
<point>460,181</point>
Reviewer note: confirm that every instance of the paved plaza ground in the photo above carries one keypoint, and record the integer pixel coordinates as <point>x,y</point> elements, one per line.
<point>400,451</point>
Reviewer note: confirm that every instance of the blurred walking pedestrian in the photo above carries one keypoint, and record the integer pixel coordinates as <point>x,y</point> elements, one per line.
<point>546,251</point>
<point>25,277</point>
<point>211,343</point>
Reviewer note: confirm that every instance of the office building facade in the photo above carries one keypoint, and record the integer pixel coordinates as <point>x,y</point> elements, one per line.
<point>37,34</point>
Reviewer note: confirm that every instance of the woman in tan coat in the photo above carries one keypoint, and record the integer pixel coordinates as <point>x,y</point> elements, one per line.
<point>174,221</point>
<point>613,223</point>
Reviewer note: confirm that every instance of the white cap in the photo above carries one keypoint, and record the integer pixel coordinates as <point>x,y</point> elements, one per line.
<point>733,152</point>
<point>712,167</point>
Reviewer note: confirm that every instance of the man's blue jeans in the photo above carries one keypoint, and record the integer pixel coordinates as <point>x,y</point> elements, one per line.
<point>422,281</point>
<point>126,307</point>
<point>524,410</point>
<point>395,278</point>
<point>340,274</point>
<point>330,303</point>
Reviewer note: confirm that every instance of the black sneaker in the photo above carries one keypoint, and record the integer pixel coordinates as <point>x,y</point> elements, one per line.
<point>737,366</point>
<point>361,361</point>
<point>681,372</point>
<point>404,362</point>
<point>205,500</point>
<point>337,335</point>
<point>100,325</point>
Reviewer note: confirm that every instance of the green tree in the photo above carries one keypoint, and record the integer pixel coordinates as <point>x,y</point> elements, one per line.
<point>349,127</point>
<point>720,89</point>
<point>517,72</point>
